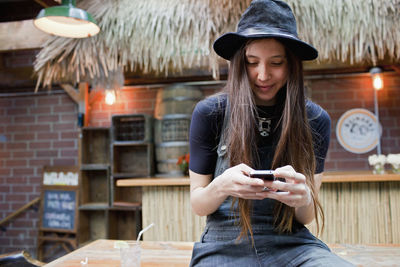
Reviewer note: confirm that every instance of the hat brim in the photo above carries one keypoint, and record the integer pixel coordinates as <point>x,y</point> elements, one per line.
<point>227,45</point>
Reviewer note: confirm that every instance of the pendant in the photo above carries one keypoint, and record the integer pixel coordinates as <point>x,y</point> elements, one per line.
<point>264,126</point>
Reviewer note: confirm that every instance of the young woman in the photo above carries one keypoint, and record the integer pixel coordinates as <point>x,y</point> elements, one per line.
<point>260,121</point>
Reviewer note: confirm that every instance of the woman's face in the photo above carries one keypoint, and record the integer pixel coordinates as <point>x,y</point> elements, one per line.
<point>267,69</point>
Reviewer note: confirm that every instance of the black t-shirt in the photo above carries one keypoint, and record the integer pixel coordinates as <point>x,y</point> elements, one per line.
<point>207,121</point>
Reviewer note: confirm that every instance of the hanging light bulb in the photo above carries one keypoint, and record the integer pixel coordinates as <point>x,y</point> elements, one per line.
<point>377,79</point>
<point>110,97</point>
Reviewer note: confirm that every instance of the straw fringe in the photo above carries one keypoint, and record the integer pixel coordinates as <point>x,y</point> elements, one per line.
<point>171,35</point>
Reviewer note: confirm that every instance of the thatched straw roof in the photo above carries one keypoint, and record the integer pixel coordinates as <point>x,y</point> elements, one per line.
<point>163,35</point>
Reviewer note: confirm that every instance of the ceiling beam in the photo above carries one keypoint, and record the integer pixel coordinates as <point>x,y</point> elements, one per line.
<point>21,35</point>
<point>47,3</point>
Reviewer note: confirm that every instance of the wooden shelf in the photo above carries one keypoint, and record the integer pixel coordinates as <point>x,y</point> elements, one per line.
<point>329,177</point>
<point>94,206</point>
<point>89,167</point>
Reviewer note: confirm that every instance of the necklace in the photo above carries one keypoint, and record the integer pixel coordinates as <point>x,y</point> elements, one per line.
<point>264,126</point>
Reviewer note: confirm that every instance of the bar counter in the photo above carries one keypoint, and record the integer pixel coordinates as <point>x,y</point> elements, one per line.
<point>360,208</point>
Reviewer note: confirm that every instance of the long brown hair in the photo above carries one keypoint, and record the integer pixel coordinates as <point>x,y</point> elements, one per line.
<point>294,145</point>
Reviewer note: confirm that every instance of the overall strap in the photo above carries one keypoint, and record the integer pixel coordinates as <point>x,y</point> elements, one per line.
<point>223,160</point>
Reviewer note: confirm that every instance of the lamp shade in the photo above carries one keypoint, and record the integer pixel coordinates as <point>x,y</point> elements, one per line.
<point>66,20</point>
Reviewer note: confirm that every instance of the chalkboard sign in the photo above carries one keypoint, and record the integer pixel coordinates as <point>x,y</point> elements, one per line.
<point>59,210</point>
<point>59,207</point>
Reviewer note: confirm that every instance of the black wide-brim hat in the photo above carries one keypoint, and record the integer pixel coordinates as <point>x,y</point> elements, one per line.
<point>265,19</point>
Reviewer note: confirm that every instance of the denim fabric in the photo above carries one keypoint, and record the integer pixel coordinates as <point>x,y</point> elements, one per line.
<point>220,246</point>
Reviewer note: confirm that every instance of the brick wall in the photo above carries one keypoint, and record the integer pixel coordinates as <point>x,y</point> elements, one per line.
<point>35,130</point>
<point>40,130</point>
<point>339,94</point>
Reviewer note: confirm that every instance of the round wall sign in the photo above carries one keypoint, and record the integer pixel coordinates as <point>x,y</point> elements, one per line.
<point>358,130</point>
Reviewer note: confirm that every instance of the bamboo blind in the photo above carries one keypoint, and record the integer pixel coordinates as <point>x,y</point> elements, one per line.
<point>355,213</point>
<point>361,213</point>
<point>169,208</point>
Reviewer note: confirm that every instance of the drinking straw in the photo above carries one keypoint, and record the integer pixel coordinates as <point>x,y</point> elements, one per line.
<point>144,230</point>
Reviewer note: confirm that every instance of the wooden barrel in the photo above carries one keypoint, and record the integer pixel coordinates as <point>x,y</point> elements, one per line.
<point>177,99</point>
<point>171,129</point>
<point>167,157</point>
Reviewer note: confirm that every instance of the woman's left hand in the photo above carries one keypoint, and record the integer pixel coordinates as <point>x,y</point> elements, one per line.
<point>294,192</point>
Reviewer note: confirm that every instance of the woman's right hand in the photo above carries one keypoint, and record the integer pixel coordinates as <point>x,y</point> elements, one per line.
<point>236,182</point>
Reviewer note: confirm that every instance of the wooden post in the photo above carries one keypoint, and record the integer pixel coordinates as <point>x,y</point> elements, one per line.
<point>84,102</point>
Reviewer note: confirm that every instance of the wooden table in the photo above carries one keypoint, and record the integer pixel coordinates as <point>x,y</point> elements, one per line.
<point>101,253</point>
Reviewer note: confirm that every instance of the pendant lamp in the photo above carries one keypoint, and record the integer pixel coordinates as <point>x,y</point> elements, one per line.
<point>66,20</point>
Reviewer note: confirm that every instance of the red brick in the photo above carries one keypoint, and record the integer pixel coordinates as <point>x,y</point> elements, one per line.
<point>69,135</point>
<point>64,108</point>
<point>340,95</point>
<point>22,154</point>
<point>16,128</point>
<point>24,119</point>
<point>59,127</point>
<point>347,104</point>
<point>65,161</point>
<point>24,137</point>
<point>39,128</point>
<point>24,102</point>
<point>352,165</point>
<point>23,171</point>
<point>16,163</point>
<point>5,188</point>
<point>5,172</point>
<point>39,162</point>
<point>50,101</point>
<point>17,180</point>
<point>64,144</point>
<point>39,145</point>
<point>16,197</point>
<point>69,118</point>
<point>104,116</point>
<point>16,111</point>
<point>6,102</point>
<point>5,154</point>
<point>47,153</point>
<point>47,136</point>
<point>48,118</point>
<point>22,189</point>
<point>40,110</point>
<point>21,223</point>
<point>65,100</point>
<point>69,153</point>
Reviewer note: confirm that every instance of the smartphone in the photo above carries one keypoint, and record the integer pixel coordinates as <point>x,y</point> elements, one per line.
<point>263,174</point>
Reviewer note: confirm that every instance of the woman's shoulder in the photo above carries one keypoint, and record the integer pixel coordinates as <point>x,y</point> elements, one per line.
<point>316,112</point>
<point>212,105</point>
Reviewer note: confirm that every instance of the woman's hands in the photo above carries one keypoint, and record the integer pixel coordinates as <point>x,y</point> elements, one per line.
<point>294,192</point>
<point>236,182</point>
<point>208,194</point>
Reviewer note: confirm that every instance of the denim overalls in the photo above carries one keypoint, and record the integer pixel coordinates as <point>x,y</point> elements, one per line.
<point>219,245</point>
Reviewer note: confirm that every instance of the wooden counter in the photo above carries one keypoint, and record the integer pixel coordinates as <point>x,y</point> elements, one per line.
<point>329,177</point>
<point>360,207</point>
<point>101,253</point>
